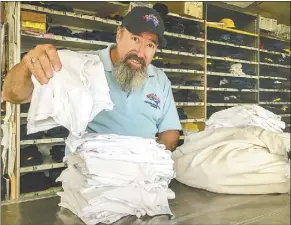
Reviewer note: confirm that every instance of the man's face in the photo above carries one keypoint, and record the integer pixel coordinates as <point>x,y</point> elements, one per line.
<point>135,53</point>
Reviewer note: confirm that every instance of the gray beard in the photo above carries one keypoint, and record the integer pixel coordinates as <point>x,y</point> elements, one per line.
<point>129,79</point>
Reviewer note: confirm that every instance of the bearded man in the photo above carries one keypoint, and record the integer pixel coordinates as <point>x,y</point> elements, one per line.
<point>142,94</point>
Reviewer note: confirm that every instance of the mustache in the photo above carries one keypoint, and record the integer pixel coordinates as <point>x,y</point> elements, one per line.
<point>135,57</point>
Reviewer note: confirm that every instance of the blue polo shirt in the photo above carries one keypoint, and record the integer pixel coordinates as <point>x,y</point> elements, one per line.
<point>144,112</point>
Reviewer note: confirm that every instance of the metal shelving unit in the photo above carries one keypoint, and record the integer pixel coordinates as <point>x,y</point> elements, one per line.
<point>246,27</point>
<point>83,19</point>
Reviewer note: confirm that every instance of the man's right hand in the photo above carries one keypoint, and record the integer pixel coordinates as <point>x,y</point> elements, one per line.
<point>41,61</point>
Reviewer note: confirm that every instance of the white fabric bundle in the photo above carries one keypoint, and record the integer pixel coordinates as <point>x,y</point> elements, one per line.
<point>246,115</point>
<point>248,160</point>
<point>111,176</point>
<point>72,97</point>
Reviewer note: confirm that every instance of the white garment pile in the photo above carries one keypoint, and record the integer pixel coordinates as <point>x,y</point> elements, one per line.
<point>72,97</point>
<point>111,176</point>
<point>236,68</point>
<point>248,160</point>
<point>246,115</point>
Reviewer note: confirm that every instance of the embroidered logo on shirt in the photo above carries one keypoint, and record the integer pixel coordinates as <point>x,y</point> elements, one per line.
<point>153,100</point>
<point>151,18</point>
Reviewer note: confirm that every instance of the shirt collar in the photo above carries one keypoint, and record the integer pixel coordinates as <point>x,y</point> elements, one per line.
<point>107,63</point>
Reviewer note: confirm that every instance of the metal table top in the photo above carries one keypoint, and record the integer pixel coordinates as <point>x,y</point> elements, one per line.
<point>191,206</point>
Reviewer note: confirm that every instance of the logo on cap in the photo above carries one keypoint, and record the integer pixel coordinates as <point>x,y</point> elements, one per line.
<point>152,18</point>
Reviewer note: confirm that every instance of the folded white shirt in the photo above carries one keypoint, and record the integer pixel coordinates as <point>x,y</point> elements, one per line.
<point>72,97</point>
<point>108,172</point>
<point>242,116</point>
<point>111,146</point>
<point>129,200</point>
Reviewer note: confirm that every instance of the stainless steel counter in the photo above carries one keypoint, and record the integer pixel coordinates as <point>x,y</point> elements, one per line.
<point>191,206</point>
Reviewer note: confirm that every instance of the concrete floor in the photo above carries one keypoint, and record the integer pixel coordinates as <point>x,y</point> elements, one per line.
<point>191,206</point>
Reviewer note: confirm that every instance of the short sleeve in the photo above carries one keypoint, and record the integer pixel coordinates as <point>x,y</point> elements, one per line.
<point>169,119</point>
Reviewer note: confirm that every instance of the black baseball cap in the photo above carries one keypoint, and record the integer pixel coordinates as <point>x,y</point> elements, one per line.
<point>143,19</point>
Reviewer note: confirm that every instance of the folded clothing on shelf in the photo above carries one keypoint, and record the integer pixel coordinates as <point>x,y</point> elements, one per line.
<point>274,72</point>
<point>213,52</point>
<point>158,62</point>
<point>218,66</point>
<point>60,30</point>
<point>86,35</point>
<point>195,83</point>
<point>183,46</point>
<point>225,38</point>
<point>232,38</point>
<point>186,96</point>
<point>181,81</point>
<point>248,69</point>
<point>30,156</point>
<point>276,46</point>
<point>180,96</point>
<point>52,6</point>
<point>214,97</point>
<point>178,81</point>
<point>193,29</point>
<point>186,66</point>
<point>274,97</point>
<point>281,59</point>
<point>237,39</point>
<point>242,83</point>
<point>59,7</point>
<point>274,84</point>
<point>237,83</point>
<point>212,109</point>
<point>114,16</point>
<point>24,108</point>
<point>267,60</point>
<point>32,182</point>
<point>57,132</point>
<point>54,174</point>
<point>173,24</point>
<point>193,97</point>
<point>196,49</point>
<point>162,9</point>
<point>58,152</point>
<point>182,114</point>
<point>182,26</point>
<point>231,82</point>
<point>24,136</point>
<point>277,109</point>
<point>233,53</point>
<point>96,35</point>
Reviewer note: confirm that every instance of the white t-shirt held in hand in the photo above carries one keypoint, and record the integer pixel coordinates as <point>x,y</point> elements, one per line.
<point>72,97</point>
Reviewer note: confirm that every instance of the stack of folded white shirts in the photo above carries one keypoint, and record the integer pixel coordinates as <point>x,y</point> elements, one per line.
<point>111,176</point>
<point>246,115</point>
<point>236,69</point>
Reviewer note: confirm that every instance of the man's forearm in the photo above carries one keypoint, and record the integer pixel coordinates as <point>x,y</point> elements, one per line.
<point>169,139</point>
<point>169,145</point>
<point>17,86</point>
